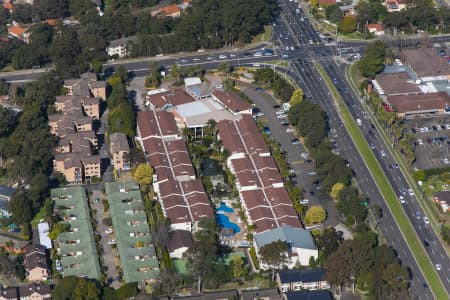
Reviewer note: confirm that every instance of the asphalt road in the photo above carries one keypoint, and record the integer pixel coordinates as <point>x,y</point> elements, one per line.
<point>305,74</point>
<point>303,172</point>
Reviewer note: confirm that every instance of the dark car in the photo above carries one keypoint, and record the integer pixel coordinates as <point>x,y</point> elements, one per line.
<point>425,243</point>
<point>259,90</point>
<point>276,106</point>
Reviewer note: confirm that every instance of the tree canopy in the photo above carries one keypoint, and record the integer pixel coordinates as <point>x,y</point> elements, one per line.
<point>315,215</point>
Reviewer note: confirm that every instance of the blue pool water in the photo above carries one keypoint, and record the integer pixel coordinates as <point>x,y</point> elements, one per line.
<point>223,208</point>
<point>223,221</point>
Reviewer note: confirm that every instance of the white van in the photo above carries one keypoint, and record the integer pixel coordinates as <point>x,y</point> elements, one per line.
<point>358,121</point>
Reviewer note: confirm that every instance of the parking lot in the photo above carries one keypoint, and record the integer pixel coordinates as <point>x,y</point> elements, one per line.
<point>296,153</point>
<point>432,141</point>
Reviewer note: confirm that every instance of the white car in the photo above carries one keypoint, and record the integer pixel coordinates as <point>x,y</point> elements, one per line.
<point>304,201</point>
<point>280,112</point>
<point>402,199</point>
<point>112,242</point>
<point>383,153</point>
<point>446,161</point>
<point>289,129</point>
<point>426,221</point>
<point>420,142</point>
<point>108,231</point>
<point>438,267</point>
<point>281,116</point>
<point>410,192</point>
<point>222,56</point>
<point>209,58</point>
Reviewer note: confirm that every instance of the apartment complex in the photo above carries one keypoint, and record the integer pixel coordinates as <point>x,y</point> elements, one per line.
<point>132,233</point>
<point>181,195</point>
<point>76,246</point>
<point>75,154</point>
<point>120,150</point>
<point>263,196</point>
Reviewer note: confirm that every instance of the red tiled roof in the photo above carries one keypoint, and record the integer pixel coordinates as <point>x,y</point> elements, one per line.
<point>230,137</point>
<point>251,136</point>
<point>327,2</point>
<point>231,100</point>
<point>8,5</point>
<point>16,31</point>
<point>174,97</point>
<point>378,27</point>
<point>170,9</point>
<point>419,102</point>
<point>160,123</point>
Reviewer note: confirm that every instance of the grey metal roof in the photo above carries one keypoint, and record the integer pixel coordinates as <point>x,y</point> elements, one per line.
<point>288,276</point>
<point>6,191</point>
<point>298,237</point>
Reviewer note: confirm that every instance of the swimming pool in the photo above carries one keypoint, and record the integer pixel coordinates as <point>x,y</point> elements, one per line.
<point>223,208</point>
<point>224,222</point>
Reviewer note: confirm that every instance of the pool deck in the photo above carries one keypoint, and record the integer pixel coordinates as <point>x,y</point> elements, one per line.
<point>233,217</point>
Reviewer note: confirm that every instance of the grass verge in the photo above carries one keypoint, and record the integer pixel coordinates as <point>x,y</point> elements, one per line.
<point>426,204</point>
<point>388,193</point>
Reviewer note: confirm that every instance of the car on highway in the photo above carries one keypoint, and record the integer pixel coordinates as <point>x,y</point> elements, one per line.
<point>372,146</point>
<point>426,243</point>
<point>196,59</point>
<point>438,267</point>
<point>383,153</point>
<point>210,58</point>
<point>304,201</point>
<point>295,141</point>
<point>222,56</point>
<point>417,215</point>
<point>184,60</point>
<point>289,129</point>
<point>410,192</point>
<point>258,54</point>
<point>426,221</point>
<point>402,199</point>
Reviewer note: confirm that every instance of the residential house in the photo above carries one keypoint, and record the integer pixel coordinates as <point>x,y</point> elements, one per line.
<point>300,244</point>
<point>6,193</point>
<point>9,293</point>
<point>13,244</point>
<point>87,86</point>
<point>121,47</point>
<point>261,294</point>
<point>295,280</point>
<point>35,291</point>
<point>442,199</point>
<point>172,10</point>
<point>376,29</point>
<point>20,33</point>
<point>308,295</point>
<point>36,263</point>
<point>119,149</point>
<point>395,5</point>
<point>179,242</point>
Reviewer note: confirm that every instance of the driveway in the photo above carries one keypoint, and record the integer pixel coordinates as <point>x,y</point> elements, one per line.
<point>303,171</point>
<point>109,258</point>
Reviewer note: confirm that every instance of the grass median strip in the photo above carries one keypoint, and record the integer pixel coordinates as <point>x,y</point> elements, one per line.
<point>388,193</point>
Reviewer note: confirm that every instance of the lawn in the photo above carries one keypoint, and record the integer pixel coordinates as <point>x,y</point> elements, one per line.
<point>388,193</point>
<point>265,36</point>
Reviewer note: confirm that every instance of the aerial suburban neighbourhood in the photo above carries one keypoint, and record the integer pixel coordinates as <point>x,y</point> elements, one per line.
<point>196,150</point>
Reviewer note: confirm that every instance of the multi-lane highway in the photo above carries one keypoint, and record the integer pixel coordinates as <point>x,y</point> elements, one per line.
<point>308,78</point>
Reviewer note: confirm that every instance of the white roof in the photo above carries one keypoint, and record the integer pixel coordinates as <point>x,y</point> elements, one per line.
<point>44,240</point>
<point>192,81</point>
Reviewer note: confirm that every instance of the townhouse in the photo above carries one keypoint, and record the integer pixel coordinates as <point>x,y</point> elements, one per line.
<point>263,197</point>
<point>295,280</point>
<point>36,263</point>
<point>181,195</point>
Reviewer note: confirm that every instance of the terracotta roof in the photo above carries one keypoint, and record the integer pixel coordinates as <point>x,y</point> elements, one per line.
<point>419,102</point>
<point>327,2</point>
<point>9,293</point>
<point>52,22</point>
<point>251,136</point>
<point>230,137</point>
<point>16,30</point>
<point>160,123</point>
<point>377,27</point>
<point>173,97</point>
<point>231,100</point>
<point>8,5</point>
<point>170,9</point>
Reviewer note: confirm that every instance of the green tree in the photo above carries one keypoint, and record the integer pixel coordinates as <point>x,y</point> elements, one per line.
<point>336,189</point>
<point>297,97</point>
<point>333,13</point>
<point>57,229</point>
<point>143,174</point>
<point>347,25</point>
<point>315,215</point>
<point>274,255</point>
<point>373,60</point>
<point>237,267</point>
